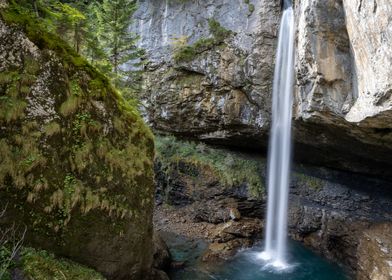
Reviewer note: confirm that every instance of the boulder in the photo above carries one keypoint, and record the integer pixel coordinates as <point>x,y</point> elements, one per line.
<point>162,256</point>
<point>76,160</point>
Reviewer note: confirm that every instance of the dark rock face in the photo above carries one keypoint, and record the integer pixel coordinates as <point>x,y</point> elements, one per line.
<point>68,169</point>
<point>329,210</point>
<point>197,190</point>
<point>342,102</point>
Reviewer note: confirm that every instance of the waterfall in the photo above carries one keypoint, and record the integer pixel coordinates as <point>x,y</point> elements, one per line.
<point>165,36</point>
<point>280,143</point>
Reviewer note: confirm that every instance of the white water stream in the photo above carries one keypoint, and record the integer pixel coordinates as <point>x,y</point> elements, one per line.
<point>279,156</point>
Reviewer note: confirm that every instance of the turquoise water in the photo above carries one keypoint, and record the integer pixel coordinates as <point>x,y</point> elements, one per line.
<point>304,265</point>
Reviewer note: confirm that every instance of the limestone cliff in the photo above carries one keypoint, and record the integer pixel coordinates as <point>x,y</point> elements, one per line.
<point>219,90</point>
<point>75,158</point>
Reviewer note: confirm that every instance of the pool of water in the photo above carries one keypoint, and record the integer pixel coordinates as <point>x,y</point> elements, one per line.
<point>303,264</point>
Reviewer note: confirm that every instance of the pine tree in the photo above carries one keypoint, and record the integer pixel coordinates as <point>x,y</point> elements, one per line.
<point>113,20</point>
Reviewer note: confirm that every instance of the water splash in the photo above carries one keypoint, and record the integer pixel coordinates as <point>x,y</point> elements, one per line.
<point>280,144</point>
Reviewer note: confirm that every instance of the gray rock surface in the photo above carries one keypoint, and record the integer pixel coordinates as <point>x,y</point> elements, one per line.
<point>342,104</point>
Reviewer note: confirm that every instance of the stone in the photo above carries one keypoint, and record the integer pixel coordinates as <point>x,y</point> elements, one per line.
<point>161,253</point>
<point>76,190</point>
<point>375,253</point>
<point>222,251</point>
<point>342,102</point>
<point>177,265</point>
<point>234,214</point>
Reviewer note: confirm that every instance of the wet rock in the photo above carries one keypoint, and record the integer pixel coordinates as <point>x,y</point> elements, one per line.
<point>229,237</point>
<point>177,265</point>
<point>375,253</point>
<point>159,275</point>
<point>222,251</point>
<point>234,214</point>
<point>161,254</point>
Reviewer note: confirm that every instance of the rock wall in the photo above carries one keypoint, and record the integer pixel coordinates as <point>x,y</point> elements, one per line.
<point>332,212</point>
<point>223,91</point>
<point>75,160</point>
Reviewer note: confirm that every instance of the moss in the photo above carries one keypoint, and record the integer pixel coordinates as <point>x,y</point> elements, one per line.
<point>187,53</point>
<point>309,181</point>
<point>52,128</point>
<point>41,265</point>
<point>60,167</point>
<point>230,168</point>
<point>251,8</point>
<point>219,32</point>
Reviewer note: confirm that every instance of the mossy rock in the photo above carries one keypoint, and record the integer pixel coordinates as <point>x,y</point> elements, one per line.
<point>76,160</point>
<point>42,265</point>
<point>228,168</point>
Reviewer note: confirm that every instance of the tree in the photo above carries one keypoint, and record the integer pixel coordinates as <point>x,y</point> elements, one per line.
<point>113,20</point>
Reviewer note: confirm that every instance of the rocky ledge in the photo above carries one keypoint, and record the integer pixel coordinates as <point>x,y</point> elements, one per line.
<point>218,77</point>
<point>336,214</point>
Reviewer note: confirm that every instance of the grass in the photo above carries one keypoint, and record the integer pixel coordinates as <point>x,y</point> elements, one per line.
<point>309,181</point>
<point>41,265</point>
<point>231,168</point>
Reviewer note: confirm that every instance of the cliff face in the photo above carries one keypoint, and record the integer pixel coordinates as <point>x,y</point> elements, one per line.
<point>222,87</point>
<point>75,159</point>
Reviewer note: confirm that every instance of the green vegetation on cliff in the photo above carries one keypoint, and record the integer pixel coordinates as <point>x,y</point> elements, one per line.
<point>230,167</point>
<point>188,52</point>
<point>76,162</point>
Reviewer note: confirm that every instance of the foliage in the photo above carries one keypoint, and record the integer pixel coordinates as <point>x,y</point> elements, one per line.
<point>184,52</point>
<point>41,265</point>
<point>232,168</point>
<point>251,7</point>
<point>79,148</point>
<point>112,28</point>
<point>218,31</point>
<point>308,181</point>
<point>97,30</point>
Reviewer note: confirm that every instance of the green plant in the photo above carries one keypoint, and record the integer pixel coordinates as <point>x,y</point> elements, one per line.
<point>232,168</point>
<point>41,265</point>
<point>183,52</point>
<point>251,8</point>
<point>218,31</point>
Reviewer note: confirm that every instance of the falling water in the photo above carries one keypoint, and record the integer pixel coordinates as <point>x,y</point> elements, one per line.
<point>280,143</point>
<point>165,36</point>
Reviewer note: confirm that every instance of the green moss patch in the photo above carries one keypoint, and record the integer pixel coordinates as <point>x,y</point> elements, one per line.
<point>189,52</point>
<point>41,265</point>
<point>96,155</point>
<point>231,168</point>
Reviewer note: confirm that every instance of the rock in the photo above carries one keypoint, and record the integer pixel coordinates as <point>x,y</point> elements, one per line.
<point>234,214</point>
<point>159,275</point>
<point>229,237</point>
<point>222,251</point>
<point>67,172</point>
<point>343,83</point>
<point>162,256</point>
<point>329,213</point>
<point>177,265</point>
<point>375,253</point>
<point>202,191</point>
